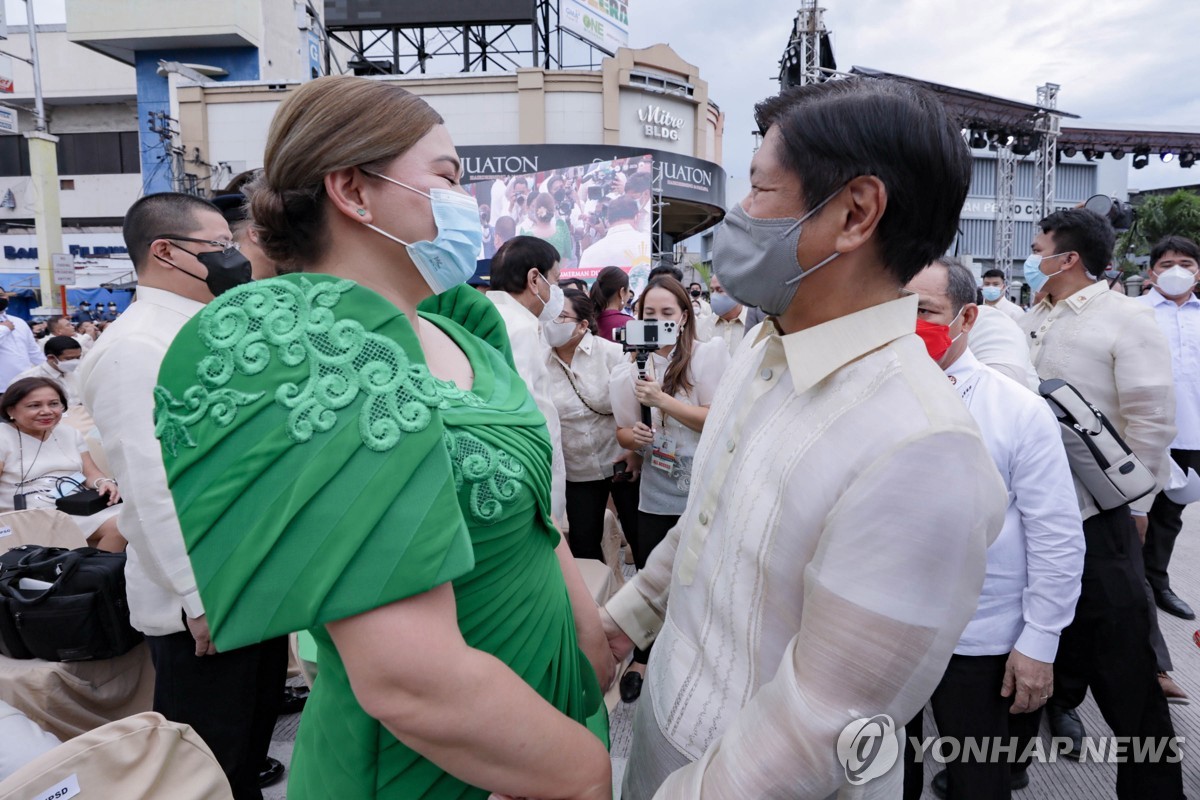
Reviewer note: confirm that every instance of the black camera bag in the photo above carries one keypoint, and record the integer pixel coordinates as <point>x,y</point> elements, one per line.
<point>83,616</point>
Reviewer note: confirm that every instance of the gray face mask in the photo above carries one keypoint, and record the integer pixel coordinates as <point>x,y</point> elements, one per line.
<point>755,259</point>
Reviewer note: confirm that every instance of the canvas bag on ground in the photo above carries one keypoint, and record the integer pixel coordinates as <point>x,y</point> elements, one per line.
<point>1099,457</point>
<point>143,756</point>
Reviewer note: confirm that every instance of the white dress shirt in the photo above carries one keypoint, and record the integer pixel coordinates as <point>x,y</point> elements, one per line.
<point>529,352</point>
<point>18,349</point>
<point>730,331</point>
<point>1008,308</point>
<point>118,377</point>
<point>1109,347</point>
<point>663,491</point>
<point>1181,326</point>
<point>589,434</point>
<point>622,246</point>
<point>1000,343</point>
<point>832,552</point>
<point>21,740</point>
<point>1035,564</point>
<point>68,380</point>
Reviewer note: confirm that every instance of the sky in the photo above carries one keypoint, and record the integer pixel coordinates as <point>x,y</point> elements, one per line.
<point>1118,63</point>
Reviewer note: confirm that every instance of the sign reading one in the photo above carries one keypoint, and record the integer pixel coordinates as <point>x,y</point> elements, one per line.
<point>603,23</point>
<point>658,123</point>
<point>64,268</point>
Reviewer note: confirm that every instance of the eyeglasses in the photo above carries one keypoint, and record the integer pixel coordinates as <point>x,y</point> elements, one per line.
<point>224,246</point>
<point>565,318</point>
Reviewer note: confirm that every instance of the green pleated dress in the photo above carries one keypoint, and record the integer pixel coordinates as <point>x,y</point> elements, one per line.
<point>319,471</point>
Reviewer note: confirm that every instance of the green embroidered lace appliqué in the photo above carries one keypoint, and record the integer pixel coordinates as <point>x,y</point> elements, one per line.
<point>294,322</point>
<point>494,475</point>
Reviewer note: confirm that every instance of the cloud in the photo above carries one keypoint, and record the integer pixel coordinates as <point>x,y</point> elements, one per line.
<point>1126,63</point>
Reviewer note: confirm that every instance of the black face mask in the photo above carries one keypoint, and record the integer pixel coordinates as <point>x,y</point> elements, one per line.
<point>227,269</point>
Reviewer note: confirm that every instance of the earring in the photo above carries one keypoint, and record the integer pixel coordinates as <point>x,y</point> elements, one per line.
<point>362,212</point>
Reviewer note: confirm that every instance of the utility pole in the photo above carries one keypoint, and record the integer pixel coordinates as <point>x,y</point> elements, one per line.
<point>43,169</point>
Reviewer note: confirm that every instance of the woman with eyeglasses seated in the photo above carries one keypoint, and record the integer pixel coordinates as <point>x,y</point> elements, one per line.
<point>41,460</point>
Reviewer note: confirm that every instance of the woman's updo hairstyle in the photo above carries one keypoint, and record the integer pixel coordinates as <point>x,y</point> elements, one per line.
<point>325,125</point>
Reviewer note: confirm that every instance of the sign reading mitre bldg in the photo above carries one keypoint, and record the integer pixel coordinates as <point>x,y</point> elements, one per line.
<point>659,123</point>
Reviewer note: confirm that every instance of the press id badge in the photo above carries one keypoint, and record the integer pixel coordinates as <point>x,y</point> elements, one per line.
<point>663,455</point>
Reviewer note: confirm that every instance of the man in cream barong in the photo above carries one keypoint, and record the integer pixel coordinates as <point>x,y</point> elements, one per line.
<point>833,547</point>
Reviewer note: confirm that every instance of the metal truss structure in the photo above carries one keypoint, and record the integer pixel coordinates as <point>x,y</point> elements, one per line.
<point>1047,127</point>
<point>1006,184</point>
<point>462,47</point>
<point>808,57</point>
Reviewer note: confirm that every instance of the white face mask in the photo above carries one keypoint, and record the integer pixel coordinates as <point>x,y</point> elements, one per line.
<point>559,332</point>
<point>551,309</point>
<point>1175,281</point>
<point>67,367</point>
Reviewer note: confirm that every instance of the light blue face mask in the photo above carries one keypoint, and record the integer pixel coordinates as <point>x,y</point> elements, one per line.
<point>992,293</point>
<point>1033,271</point>
<point>449,259</point>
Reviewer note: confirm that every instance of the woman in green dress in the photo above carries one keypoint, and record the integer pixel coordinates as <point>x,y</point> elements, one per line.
<point>345,463</point>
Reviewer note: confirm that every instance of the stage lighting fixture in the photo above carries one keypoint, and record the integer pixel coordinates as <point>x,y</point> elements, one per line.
<point>1118,154</point>
<point>1023,145</point>
<point>1167,156</point>
<point>978,139</point>
<point>1089,154</point>
<point>1141,157</point>
<point>1186,159</point>
<point>1069,151</point>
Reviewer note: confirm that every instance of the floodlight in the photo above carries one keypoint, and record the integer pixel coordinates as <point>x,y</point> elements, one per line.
<point>1167,156</point>
<point>1186,159</point>
<point>1141,157</point>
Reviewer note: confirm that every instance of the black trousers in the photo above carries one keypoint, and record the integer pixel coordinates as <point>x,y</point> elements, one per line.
<point>1107,649</point>
<point>1166,521</point>
<point>966,703</point>
<point>586,502</point>
<point>231,700</point>
<point>652,529</point>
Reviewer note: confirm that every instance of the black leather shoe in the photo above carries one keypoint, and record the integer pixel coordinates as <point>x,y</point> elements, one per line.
<point>1065,723</point>
<point>294,698</point>
<point>271,772</point>
<point>631,686</point>
<point>1171,603</point>
<point>941,783</point>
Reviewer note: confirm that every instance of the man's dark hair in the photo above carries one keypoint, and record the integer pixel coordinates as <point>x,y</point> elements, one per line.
<point>995,273</point>
<point>1084,232</point>
<point>833,132</point>
<point>697,284</point>
<point>637,183</point>
<point>960,283</point>
<point>667,270</point>
<point>1174,244</point>
<point>158,214</point>
<point>3,303</point>
<point>516,257</point>
<point>52,323</point>
<point>57,345</point>
<point>622,209</point>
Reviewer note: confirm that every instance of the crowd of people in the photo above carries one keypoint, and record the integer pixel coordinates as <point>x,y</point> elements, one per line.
<point>840,490</point>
